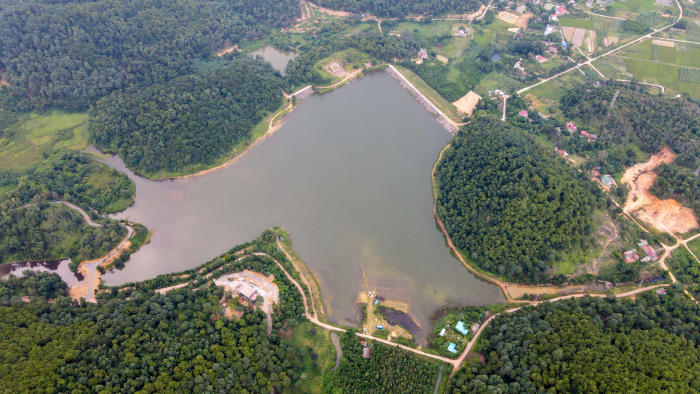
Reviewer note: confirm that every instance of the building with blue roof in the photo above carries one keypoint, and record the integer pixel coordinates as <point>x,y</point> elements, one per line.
<point>462,328</point>
<point>452,348</point>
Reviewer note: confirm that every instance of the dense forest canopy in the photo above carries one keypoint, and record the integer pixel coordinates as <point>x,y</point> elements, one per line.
<point>590,345</point>
<point>190,120</point>
<point>53,231</point>
<point>388,370</point>
<point>651,122</point>
<point>400,8</point>
<point>510,204</point>
<point>140,340</point>
<point>32,228</point>
<point>69,53</point>
<point>77,178</point>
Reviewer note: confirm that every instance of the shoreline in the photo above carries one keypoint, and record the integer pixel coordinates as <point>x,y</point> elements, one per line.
<point>570,290</point>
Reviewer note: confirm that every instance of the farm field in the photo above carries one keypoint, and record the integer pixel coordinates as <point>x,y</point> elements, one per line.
<point>675,66</point>
<point>33,135</point>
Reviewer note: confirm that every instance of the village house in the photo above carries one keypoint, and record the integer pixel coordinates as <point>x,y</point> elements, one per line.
<point>571,127</point>
<point>661,291</point>
<point>365,352</point>
<point>650,252</point>
<point>459,33</point>
<point>561,10</point>
<point>561,152</point>
<point>540,59</point>
<point>452,348</point>
<point>248,292</point>
<point>631,256</point>
<point>595,173</point>
<point>519,67</point>
<point>422,54</point>
<point>462,328</point>
<point>523,113</point>
<point>607,180</point>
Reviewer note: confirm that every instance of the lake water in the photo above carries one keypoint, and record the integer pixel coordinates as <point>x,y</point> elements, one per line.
<point>348,175</point>
<point>277,58</point>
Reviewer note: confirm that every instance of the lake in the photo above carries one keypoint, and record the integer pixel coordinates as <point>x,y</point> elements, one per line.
<point>348,175</point>
<point>277,58</point>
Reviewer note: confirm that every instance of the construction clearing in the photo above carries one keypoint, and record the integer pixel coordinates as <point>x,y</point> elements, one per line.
<point>248,286</point>
<point>467,103</point>
<point>664,215</point>
<point>513,19</point>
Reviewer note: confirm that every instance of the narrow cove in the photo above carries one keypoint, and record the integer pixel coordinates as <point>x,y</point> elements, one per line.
<point>348,175</point>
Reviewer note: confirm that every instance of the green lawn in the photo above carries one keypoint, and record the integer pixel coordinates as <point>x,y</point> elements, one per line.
<point>429,92</point>
<point>426,30</point>
<point>584,23</point>
<point>308,335</point>
<point>35,134</point>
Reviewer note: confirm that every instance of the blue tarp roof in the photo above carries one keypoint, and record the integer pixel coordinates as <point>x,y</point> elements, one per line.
<point>452,348</point>
<point>462,328</point>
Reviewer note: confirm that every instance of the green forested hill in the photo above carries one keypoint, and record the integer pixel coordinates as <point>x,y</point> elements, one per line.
<point>69,53</point>
<point>52,232</point>
<point>77,178</point>
<point>399,8</point>
<point>140,340</point>
<point>510,204</point>
<point>33,229</point>
<point>590,345</point>
<point>191,120</point>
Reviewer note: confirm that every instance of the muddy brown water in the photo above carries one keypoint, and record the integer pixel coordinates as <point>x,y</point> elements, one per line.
<point>348,175</point>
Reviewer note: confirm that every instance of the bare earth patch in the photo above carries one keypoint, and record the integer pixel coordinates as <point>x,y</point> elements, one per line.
<point>340,14</point>
<point>467,103</point>
<point>512,19</point>
<point>227,50</point>
<point>336,69</point>
<point>610,40</point>
<point>665,215</point>
<point>663,43</point>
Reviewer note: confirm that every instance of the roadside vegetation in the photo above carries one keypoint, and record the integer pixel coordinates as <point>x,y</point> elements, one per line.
<point>590,344</point>
<point>388,369</point>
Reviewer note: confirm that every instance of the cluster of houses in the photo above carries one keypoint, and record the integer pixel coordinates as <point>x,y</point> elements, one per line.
<point>606,180</point>
<point>461,328</point>
<point>649,253</point>
<point>572,128</point>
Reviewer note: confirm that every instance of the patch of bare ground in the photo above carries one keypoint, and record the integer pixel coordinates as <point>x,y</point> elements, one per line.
<point>664,215</point>
<point>513,19</point>
<point>227,50</point>
<point>340,14</point>
<point>467,16</point>
<point>336,69</point>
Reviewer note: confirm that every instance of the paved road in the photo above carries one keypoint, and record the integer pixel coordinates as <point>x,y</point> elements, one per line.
<point>591,60</point>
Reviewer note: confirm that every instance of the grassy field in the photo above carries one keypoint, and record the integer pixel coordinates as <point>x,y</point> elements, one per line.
<point>676,68</point>
<point>307,335</point>
<point>34,135</point>
<point>426,30</point>
<point>584,23</point>
<point>429,92</point>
